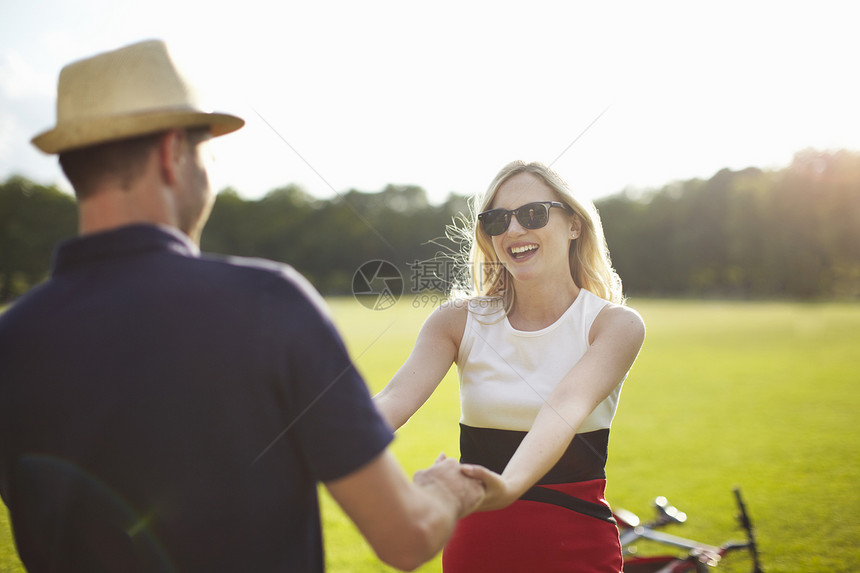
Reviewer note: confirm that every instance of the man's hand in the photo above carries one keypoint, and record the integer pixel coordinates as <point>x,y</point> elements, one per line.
<point>446,476</point>
<point>497,492</point>
<point>406,522</point>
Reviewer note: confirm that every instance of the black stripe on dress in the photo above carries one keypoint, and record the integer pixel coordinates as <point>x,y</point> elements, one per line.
<point>584,459</point>
<point>562,499</point>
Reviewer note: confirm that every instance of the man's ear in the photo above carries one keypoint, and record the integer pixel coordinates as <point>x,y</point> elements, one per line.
<point>170,156</point>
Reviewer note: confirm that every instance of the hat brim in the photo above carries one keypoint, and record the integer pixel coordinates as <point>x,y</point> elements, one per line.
<point>94,131</point>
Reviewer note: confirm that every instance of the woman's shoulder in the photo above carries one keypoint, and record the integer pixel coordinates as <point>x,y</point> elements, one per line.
<point>476,305</point>
<point>450,318</point>
<point>452,309</point>
<point>619,321</point>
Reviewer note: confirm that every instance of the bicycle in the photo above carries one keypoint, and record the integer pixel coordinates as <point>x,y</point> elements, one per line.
<point>700,557</point>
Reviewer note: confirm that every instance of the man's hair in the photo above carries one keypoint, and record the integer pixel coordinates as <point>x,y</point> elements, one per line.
<point>123,160</point>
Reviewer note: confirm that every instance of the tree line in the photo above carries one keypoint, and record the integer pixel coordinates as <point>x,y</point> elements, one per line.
<point>792,232</point>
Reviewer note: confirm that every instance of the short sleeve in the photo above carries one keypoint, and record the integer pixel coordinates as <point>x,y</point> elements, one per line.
<point>330,412</point>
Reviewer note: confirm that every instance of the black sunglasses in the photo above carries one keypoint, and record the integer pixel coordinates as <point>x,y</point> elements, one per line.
<point>531,216</point>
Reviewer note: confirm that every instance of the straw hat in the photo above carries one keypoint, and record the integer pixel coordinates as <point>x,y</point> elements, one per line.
<point>132,91</point>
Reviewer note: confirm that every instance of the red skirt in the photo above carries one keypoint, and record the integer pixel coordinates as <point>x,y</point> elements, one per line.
<point>534,536</point>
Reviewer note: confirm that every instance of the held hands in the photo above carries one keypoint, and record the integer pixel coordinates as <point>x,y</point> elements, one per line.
<point>498,493</point>
<point>445,473</point>
<point>475,487</point>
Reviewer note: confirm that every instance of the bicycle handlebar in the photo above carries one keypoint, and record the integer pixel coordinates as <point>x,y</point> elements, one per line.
<point>746,523</point>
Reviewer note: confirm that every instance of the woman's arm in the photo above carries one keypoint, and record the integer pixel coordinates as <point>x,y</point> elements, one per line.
<point>434,353</point>
<point>617,335</point>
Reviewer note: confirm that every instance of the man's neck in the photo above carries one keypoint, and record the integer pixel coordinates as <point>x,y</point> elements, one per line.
<point>113,208</point>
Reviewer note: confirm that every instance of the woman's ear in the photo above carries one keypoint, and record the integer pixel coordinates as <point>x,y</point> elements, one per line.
<point>575,226</point>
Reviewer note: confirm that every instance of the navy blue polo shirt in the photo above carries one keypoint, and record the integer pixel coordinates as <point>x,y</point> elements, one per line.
<point>166,410</point>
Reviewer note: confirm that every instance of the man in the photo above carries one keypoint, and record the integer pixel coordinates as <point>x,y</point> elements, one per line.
<point>164,410</point>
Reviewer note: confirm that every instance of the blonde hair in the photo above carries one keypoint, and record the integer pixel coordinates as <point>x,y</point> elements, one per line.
<point>484,276</point>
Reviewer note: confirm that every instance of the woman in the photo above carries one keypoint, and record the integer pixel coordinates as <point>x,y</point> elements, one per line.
<point>542,348</point>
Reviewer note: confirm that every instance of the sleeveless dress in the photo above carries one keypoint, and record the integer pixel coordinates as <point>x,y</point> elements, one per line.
<point>563,523</point>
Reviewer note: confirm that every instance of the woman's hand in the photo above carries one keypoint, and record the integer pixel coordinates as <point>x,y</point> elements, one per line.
<point>445,472</point>
<point>498,493</point>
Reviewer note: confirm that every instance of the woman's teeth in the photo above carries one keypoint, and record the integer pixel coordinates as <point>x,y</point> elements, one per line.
<point>520,250</point>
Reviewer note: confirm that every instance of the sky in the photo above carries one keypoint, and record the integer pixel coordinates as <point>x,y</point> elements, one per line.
<point>357,95</point>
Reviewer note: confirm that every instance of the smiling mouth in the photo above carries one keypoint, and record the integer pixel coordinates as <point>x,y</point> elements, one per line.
<point>522,251</point>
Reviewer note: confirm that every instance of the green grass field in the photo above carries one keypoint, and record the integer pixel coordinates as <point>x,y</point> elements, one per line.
<point>756,395</point>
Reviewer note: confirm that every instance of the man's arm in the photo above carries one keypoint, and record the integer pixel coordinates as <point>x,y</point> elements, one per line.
<point>406,522</point>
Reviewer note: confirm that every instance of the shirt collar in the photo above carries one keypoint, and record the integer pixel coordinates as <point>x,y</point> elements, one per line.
<point>121,241</point>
